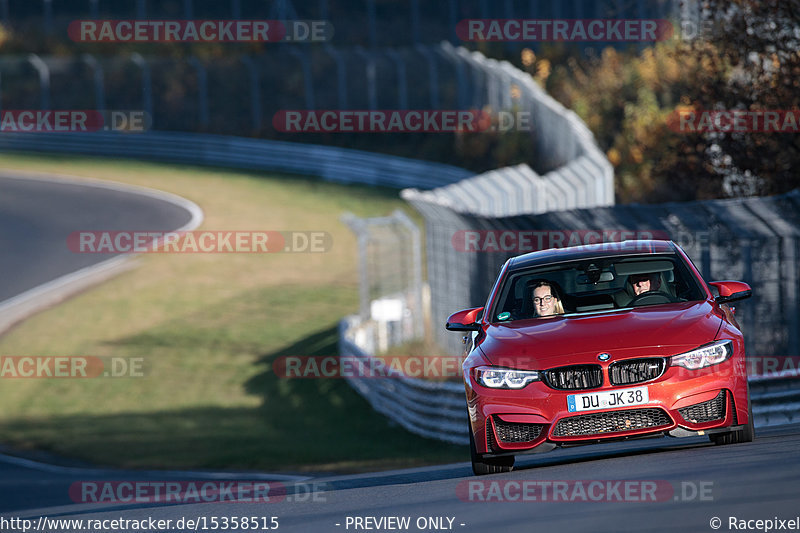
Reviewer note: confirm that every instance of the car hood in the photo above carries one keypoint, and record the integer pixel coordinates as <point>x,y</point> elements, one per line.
<point>661,330</point>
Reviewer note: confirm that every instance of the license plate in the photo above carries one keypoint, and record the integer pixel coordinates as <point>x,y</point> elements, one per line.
<point>607,399</point>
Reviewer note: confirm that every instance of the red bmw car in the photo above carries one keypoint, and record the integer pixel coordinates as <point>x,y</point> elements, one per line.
<point>602,342</point>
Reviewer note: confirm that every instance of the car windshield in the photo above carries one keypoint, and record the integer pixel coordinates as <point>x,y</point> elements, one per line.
<point>595,286</point>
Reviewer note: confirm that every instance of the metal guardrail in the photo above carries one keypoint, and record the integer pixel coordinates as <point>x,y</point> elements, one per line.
<point>432,409</point>
<point>776,398</point>
<point>576,174</point>
<point>334,164</point>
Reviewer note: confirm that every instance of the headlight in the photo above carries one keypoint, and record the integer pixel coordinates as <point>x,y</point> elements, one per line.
<point>712,354</point>
<point>504,378</point>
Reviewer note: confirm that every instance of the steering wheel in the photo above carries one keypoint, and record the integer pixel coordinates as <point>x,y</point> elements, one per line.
<point>651,297</point>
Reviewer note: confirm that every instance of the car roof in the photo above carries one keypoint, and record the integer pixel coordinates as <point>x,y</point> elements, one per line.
<point>592,251</point>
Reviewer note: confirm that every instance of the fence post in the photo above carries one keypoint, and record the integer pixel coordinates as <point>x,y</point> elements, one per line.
<point>255,91</point>
<point>793,248</point>
<point>341,74</point>
<point>788,273</point>
<point>480,76</point>
<point>416,264</point>
<point>308,84</point>
<point>705,260</point>
<point>372,22</point>
<point>147,87</point>
<point>747,276</point>
<point>450,54</point>
<point>402,81</point>
<point>44,79</point>
<point>283,10</point>
<point>202,91</point>
<point>453,14</point>
<point>357,226</point>
<point>433,74</point>
<point>415,22</point>
<point>484,7</point>
<point>372,90</point>
<point>47,8</point>
<point>99,88</point>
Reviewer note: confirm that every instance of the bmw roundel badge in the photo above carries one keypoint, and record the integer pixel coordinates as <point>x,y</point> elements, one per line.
<point>604,356</point>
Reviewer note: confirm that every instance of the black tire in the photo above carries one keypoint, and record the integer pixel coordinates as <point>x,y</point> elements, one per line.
<point>736,437</point>
<point>488,465</point>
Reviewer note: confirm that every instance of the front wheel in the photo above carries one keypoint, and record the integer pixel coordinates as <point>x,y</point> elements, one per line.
<point>488,465</point>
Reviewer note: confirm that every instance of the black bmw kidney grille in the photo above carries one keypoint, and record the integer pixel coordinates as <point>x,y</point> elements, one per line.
<point>575,377</point>
<point>698,413</point>
<point>515,432</point>
<point>611,422</point>
<point>635,370</point>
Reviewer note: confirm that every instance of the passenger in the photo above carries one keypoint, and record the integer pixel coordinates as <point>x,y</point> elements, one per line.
<point>546,300</point>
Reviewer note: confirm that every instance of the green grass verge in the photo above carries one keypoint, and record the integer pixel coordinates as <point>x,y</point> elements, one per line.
<point>208,328</point>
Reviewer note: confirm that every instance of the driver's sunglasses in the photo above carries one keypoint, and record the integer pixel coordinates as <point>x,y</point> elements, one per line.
<point>546,299</point>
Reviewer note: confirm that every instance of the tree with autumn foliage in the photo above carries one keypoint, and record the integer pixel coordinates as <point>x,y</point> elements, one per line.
<point>761,43</point>
<point>746,57</point>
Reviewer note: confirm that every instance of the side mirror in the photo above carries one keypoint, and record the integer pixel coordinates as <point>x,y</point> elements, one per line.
<point>466,320</point>
<point>731,291</point>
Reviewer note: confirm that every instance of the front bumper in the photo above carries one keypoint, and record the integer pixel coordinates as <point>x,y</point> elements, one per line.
<point>537,418</point>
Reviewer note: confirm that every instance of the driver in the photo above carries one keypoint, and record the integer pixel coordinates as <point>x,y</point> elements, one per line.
<point>643,283</point>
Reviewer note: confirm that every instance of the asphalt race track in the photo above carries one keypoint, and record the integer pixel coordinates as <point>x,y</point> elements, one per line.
<point>696,482</point>
<point>36,216</point>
